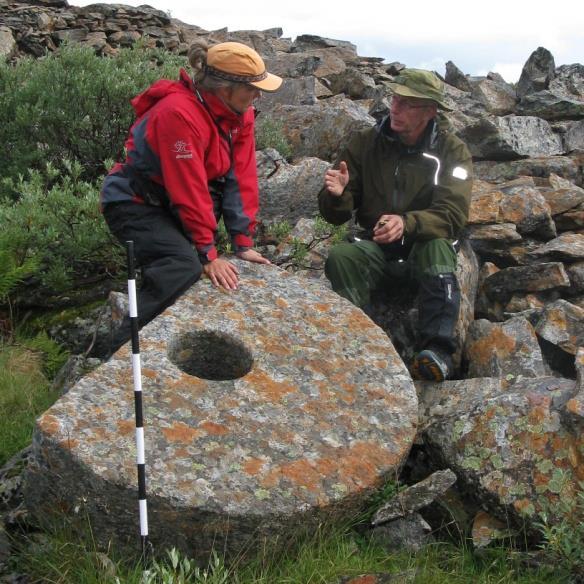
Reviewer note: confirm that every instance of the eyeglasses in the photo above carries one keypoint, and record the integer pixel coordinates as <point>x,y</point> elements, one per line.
<point>406,104</point>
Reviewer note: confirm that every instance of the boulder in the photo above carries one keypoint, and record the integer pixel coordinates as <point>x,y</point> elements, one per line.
<point>512,448</point>
<point>290,191</point>
<point>502,349</point>
<point>511,136</point>
<point>321,130</point>
<point>267,410</point>
<point>537,72</point>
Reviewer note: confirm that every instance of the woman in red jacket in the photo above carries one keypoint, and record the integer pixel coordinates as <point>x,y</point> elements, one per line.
<point>190,159</point>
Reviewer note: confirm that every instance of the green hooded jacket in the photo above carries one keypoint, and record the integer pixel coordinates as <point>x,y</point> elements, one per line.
<point>428,184</point>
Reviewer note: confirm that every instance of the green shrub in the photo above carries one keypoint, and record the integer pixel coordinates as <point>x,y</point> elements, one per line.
<point>269,133</point>
<point>73,105</point>
<point>55,224</point>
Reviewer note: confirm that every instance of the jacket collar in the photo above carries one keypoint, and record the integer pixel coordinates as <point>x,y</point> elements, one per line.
<point>427,141</point>
<point>217,107</point>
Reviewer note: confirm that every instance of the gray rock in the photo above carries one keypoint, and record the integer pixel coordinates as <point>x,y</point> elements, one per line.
<point>568,167</point>
<point>569,81</point>
<point>511,449</point>
<point>537,72</point>
<point>352,83</point>
<point>576,275</point>
<point>562,324</point>
<point>551,106</point>
<point>415,497</point>
<point>574,137</point>
<point>502,349</point>
<point>297,91</point>
<point>7,42</point>
<point>567,247</point>
<point>321,130</point>
<point>534,278</point>
<point>498,97</point>
<point>292,65</point>
<point>290,192</point>
<point>525,206</point>
<point>267,409</point>
<point>511,137</point>
<point>456,78</point>
<point>409,534</point>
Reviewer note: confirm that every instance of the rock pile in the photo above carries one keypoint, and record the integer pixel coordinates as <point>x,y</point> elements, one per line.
<point>511,426</point>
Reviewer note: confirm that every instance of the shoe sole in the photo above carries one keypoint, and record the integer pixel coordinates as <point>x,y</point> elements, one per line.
<point>426,368</point>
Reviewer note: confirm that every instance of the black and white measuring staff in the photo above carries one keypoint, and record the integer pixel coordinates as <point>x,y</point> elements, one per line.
<point>136,368</point>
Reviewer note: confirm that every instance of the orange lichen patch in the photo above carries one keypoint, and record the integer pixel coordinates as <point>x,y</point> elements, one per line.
<point>214,429</point>
<point>256,283</point>
<point>482,349</point>
<point>190,382</point>
<point>322,306</point>
<point>281,303</point>
<point>234,315</point>
<point>126,427</point>
<point>356,321</point>
<point>301,473</point>
<point>367,579</point>
<point>149,373</point>
<point>49,424</point>
<point>253,466</point>
<point>575,459</point>
<point>540,413</point>
<point>181,432</point>
<point>275,346</point>
<point>536,442</point>
<point>69,443</point>
<point>326,325</point>
<point>177,401</point>
<point>363,461</point>
<point>576,406</point>
<point>269,389</point>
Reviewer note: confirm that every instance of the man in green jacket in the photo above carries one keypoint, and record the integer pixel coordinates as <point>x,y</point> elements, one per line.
<point>409,182</point>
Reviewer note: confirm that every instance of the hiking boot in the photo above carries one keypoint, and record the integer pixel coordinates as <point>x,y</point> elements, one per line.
<point>432,365</point>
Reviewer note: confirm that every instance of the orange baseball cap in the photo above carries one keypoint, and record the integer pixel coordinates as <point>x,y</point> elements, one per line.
<point>239,63</point>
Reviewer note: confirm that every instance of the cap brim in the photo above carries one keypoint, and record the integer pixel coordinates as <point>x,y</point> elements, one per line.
<point>270,83</point>
<point>407,92</point>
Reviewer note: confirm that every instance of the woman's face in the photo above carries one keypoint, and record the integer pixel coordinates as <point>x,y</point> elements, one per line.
<point>240,97</point>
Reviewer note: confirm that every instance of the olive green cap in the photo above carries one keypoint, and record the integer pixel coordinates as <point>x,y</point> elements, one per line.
<point>421,84</point>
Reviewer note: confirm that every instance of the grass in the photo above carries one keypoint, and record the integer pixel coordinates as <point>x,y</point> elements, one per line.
<point>323,557</point>
<point>60,556</point>
<point>25,393</point>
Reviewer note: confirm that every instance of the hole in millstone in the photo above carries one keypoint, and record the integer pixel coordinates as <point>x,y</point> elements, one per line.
<point>210,355</point>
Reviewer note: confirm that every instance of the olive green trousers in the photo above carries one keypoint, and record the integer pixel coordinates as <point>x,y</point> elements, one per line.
<point>356,269</point>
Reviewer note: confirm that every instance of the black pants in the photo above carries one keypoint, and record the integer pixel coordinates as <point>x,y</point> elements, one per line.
<point>168,260</point>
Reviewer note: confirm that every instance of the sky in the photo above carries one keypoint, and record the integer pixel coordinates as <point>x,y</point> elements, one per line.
<point>478,37</point>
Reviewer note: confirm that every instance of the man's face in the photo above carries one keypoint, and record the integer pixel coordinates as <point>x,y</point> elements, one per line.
<point>410,115</point>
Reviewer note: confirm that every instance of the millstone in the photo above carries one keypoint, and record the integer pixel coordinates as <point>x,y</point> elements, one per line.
<point>269,408</point>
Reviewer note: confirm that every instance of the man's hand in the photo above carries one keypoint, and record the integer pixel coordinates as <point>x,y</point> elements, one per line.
<point>222,273</point>
<point>251,255</point>
<point>336,180</point>
<point>388,228</point>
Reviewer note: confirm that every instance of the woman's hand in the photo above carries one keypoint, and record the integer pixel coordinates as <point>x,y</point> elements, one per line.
<point>222,273</point>
<point>251,255</point>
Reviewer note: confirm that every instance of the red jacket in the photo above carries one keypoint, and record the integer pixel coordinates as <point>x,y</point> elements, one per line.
<point>179,143</point>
